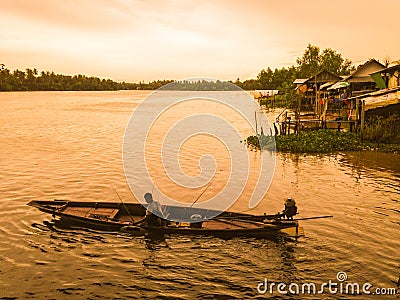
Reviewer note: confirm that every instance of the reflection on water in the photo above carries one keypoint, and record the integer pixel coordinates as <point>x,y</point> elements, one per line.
<point>377,161</point>
<point>179,267</point>
<point>68,145</point>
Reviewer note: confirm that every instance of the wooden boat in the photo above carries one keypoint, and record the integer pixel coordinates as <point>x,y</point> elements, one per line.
<point>111,216</point>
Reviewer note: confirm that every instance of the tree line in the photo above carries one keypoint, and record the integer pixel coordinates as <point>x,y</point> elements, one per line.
<point>312,61</point>
<point>31,80</point>
<point>201,85</point>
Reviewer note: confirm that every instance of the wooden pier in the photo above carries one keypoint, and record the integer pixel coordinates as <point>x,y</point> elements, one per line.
<point>294,126</point>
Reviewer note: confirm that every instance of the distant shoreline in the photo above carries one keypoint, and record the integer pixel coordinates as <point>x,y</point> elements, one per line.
<point>31,80</point>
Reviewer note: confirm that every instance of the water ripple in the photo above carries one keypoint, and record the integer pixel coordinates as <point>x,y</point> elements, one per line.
<point>68,146</point>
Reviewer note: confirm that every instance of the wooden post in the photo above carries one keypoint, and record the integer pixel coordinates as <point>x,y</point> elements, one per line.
<point>255,118</point>
<point>315,85</point>
<point>285,124</point>
<point>362,119</point>
<point>298,113</point>
<point>357,114</point>
<point>273,102</point>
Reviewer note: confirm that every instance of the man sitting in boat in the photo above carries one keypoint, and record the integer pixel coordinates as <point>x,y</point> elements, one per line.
<point>290,209</point>
<point>154,210</point>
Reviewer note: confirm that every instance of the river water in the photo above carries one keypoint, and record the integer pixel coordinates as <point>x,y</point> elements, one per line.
<point>67,145</point>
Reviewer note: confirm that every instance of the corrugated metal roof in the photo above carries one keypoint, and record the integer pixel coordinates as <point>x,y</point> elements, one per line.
<point>339,85</point>
<point>377,93</point>
<point>323,77</point>
<point>300,80</point>
<point>325,85</point>
<point>389,69</point>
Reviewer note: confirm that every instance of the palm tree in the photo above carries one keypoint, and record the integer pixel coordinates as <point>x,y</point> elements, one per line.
<point>2,67</point>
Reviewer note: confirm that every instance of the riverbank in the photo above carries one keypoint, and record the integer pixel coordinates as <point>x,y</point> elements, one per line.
<point>323,141</point>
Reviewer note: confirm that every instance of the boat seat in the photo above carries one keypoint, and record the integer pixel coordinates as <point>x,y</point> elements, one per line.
<point>102,213</point>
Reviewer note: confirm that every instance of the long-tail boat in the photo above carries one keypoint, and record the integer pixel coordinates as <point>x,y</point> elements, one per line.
<point>114,216</point>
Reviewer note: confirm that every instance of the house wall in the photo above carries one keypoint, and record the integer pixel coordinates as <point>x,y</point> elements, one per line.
<point>394,80</point>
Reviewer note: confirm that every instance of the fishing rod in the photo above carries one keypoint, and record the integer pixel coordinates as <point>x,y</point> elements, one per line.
<point>208,185</point>
<point>186,209</point>
<point>129,214</point>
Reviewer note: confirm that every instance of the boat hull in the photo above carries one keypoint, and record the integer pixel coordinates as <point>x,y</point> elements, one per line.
<point>118,217</point>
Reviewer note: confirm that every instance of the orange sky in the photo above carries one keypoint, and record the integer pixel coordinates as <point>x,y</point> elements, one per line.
<point>135,40</point>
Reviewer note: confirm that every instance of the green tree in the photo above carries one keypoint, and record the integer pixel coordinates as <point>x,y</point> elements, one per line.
<point>310,63</point>
<point>314,61</point>
<point>334,62</point>
<point>30,79</point>
<point>265,78</point>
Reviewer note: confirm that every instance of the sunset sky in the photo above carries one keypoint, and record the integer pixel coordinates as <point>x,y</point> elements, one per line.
<point>134,40</point>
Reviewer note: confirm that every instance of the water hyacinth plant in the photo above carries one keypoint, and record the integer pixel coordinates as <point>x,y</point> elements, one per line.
<point>322,141</point>
<point>261,141</point>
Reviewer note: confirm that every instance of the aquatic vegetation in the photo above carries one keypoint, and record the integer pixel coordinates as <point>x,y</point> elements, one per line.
<point>319,141</point>
<point>390,148</point>
<point>323,141</point>
<point>261,141</point>
<point>382,130</point>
